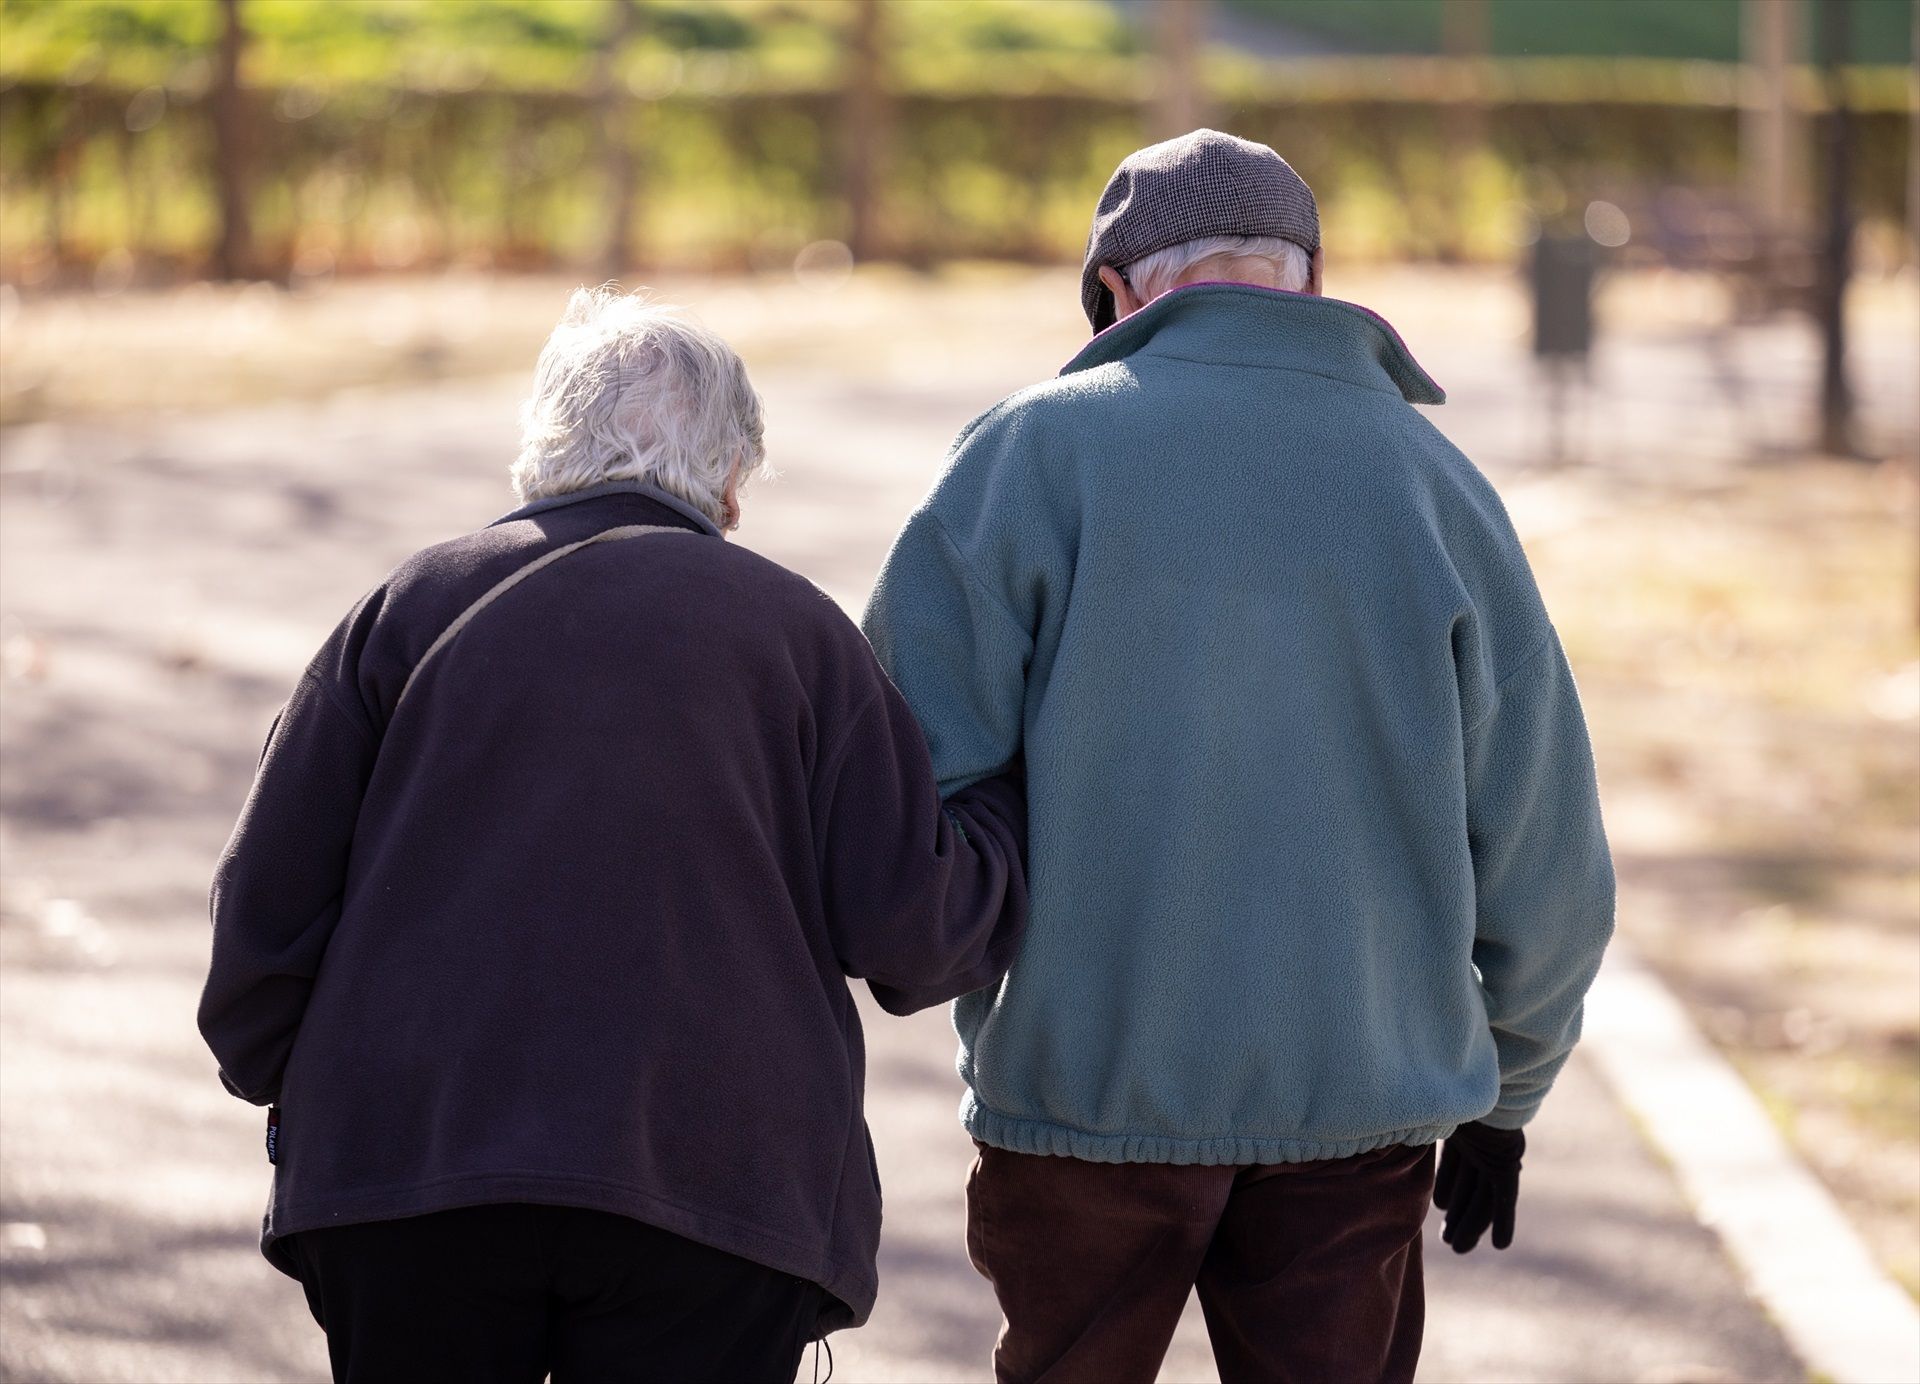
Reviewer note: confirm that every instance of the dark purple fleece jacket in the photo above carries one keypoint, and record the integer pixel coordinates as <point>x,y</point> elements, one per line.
<point>572,925</point>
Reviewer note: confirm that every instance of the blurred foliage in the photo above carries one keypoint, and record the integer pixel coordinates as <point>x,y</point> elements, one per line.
<point>392,133</point>
<point>1695,29</point>
<point>528,44</point>
<point>385,178</point>
<point>981,45</point>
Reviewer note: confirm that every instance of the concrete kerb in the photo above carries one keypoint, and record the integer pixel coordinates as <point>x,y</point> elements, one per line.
<point>1801,1258</point>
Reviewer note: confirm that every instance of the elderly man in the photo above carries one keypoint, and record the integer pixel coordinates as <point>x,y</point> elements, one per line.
<point>1317,870</point>
<point>535,928</point>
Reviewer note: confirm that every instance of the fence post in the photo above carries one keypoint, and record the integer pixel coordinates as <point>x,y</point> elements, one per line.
<point>1180,103</point>
<point>863,128</point>
<point>616,135</point>
<point>1465,34</point>
<point>1772,133</point>
<point>232,255</point>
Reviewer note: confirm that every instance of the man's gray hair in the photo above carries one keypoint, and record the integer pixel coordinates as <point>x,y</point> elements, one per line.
<point>630,390</point>
<point>1289,264</point>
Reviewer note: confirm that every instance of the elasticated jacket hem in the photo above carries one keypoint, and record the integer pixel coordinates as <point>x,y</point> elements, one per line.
<point>1039,1137</point>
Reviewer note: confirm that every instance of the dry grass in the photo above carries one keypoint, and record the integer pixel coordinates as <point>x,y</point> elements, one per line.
<point>1749,651</point>
<point>221,345</point>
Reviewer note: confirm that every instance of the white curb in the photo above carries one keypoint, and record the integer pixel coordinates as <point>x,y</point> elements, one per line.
<point>1806,1264</point>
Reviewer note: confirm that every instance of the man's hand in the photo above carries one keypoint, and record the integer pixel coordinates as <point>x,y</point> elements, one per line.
<point>1478,1184</point>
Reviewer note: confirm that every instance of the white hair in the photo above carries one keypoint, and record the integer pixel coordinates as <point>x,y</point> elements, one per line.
<point>1286,264</point>
<point>630,390</point>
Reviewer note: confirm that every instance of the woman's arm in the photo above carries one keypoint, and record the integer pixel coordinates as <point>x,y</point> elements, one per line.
<point>277,892</point>
<point>925,901</point>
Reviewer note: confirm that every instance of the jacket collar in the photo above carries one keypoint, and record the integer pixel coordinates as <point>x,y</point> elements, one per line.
<point>1267,328</point>
<point>594,492</point>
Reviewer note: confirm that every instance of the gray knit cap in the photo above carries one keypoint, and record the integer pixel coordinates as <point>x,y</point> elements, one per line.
<point>1200,184</point>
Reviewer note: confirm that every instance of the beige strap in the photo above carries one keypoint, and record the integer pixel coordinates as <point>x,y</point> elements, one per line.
<point>513,579</point>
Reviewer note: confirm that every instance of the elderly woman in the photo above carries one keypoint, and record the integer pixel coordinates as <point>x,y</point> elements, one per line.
<point>534,931</point>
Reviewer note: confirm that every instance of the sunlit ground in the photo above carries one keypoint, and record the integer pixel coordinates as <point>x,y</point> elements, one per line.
<point>1747,653</point>
<point>1745,621</point>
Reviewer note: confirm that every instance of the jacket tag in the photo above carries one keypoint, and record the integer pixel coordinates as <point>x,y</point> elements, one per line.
<point>273,1134</point>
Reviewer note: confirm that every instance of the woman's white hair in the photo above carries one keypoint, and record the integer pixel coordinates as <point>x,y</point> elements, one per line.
<point>630,390</point>
<point>1228,257</point>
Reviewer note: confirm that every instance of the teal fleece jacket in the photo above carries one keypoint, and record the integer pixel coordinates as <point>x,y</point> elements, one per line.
<point>1316,861</point>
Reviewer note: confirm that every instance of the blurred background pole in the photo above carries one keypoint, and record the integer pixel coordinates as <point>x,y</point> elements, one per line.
<point>1772,136</point>
<point>1913,190</point>
<point>616,135</point>
<point>232,254</point>
<point>863,118</point>
<point>1464,37</point>
<point>1180,30</point>
<point>1836,399</point>
<point>1913,140</point>
<point>1463,28</point>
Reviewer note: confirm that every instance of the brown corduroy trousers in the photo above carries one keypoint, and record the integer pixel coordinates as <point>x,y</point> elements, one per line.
<point>1308,1273</point>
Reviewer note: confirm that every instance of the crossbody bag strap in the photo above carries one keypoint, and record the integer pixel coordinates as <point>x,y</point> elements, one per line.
<point>513,579</point>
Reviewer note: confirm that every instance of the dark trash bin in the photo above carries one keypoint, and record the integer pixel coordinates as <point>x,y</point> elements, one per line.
<point>1562,275</point>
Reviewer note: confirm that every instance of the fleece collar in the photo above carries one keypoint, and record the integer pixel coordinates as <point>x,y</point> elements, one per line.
<point>1266,328</point>
<point>594,492</point>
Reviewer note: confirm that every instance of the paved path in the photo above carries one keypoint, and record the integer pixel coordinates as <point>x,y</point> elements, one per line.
<point>165,578</point>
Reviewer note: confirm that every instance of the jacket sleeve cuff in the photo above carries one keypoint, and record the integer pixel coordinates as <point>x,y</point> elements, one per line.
<point>268,1096</point>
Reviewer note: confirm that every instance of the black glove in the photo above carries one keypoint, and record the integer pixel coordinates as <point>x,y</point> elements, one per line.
<point>1478,1184</point>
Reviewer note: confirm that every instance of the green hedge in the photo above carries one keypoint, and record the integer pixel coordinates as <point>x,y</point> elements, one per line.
<point>371,176</point>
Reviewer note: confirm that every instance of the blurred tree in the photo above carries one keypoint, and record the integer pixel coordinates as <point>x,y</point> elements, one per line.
<point>863,126</point>
<point>232,254</point>
<point>616,134</point>
<point>1180,28</point>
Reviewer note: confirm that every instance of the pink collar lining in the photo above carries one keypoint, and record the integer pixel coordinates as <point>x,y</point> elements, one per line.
<point>1366,312</point>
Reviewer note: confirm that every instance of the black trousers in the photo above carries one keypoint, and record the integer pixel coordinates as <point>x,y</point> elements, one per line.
<point>511,1293</point>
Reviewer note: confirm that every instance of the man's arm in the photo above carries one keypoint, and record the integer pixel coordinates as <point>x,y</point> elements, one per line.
<point>954,648</point>
<point>1542,874</point>
<point>277,892</point>
<point>924,901</point>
